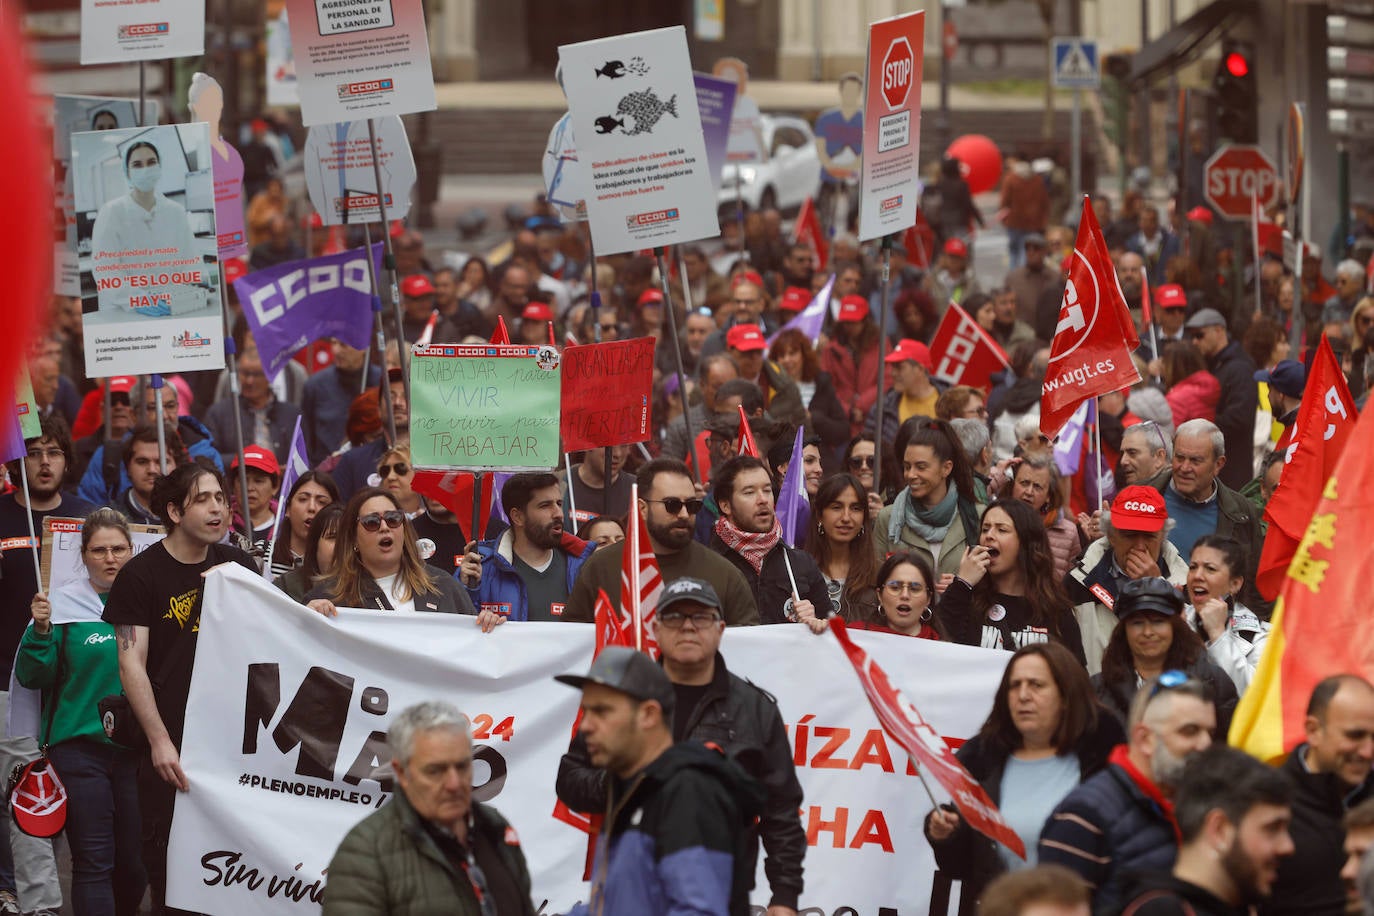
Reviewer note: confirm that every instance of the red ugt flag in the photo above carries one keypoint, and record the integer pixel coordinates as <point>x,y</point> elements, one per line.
<point>1091,353</point>
<point>640,580</point>
<point>1324,423</point>
<point>808,232</point>
<point>966,354</point>
<point>905,725</point>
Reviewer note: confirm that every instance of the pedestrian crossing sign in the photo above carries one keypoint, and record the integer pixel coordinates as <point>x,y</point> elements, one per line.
<point>1075,63</point>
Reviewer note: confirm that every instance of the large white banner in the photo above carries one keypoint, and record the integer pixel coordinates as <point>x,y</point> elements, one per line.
<point>286,723</point>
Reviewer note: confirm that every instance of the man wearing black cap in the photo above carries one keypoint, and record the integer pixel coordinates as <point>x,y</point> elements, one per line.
<point>715,706</point>
<point>1286,382</point>
<point>1234,369</point>
<point>675,837</point>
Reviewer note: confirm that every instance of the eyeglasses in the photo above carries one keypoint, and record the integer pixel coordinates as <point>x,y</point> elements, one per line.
<point>745,301</point>
<point>394,518</point>
<point>117,553</point>
<point>676,620</point>
<point>860,461</point>
<point>1169,680</point>
<point>46,454</point>
<point>897,587</point>
<point>400,469</point>
<point>674,505</point>
<point>1151,424</point>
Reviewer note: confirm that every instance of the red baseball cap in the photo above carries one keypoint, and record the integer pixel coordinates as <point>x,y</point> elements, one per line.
<point>417,285</point>
<point>745,337</point>
<point>39,800</point>
<point>537,311</point>
<point>795,298</point>
<point>912,351</point>
<point>747,276</point>
<point>1139,508</point>
<point>234,269</point>
<point>1171,296</point>
<point>853,308</point>
<point>123,384</point>
<point>650,297</point>
<point>255,456</point>
<point>1200,215</point>
<point>956,247</point>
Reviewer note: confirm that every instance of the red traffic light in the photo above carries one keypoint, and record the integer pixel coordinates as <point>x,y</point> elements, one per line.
<point>1237,65</point>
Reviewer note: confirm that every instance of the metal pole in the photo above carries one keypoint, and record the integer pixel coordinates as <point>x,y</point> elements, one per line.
<point>1076,145</point>
<point>476,533</point>
<point>384,384</point>
<point>879,444</point>
<point>155,382</point>
<point>389,262</point>
<point>28,514</point>
<point>232,362</point>
<point>739,216</point>
<point>677,351</point>
<point>817,67</point>
<point>942,120</point>
<point>1343,194</point>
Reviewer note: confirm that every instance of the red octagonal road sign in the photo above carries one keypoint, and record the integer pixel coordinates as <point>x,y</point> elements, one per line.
<point>899,72</point>
<point>1235,175</point>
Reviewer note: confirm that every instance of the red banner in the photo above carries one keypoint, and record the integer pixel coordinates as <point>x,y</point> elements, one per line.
<point>453,491</point>
<point>904,724</point>
<point>807,231</point>
<point>606,394</point>
<point>747,445</point>
<point>1325,420</point>
<point>1091,353</point>
<point>964,353</point>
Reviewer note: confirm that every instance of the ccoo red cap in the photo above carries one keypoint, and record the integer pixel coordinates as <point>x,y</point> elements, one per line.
<point>416,285</point>
<point>794,299</point>
<point>745,337</point>
<point>255,456</point>
<point>1139,508</point>
<point>1171,296</point>
<point>912,351</point>
<point>853,308</point>
<point>537,311</point>
<point>956,248</point>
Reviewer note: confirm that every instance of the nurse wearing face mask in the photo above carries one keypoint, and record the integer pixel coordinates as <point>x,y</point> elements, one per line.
<point>127,232</point>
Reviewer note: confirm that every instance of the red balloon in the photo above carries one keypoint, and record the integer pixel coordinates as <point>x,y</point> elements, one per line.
<point>980,161</point>
<point>26,188</point>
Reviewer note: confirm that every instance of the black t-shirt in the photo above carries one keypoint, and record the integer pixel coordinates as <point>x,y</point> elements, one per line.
<point>447,538</point>
<point>156,591</point>
<point>688,697</point>
<point>591,501</point>
<point>18,583</point>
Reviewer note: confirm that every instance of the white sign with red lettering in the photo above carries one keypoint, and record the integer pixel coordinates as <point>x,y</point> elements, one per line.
<point>1236,176</point>
<point>288,711</point>
<point>116,32</point>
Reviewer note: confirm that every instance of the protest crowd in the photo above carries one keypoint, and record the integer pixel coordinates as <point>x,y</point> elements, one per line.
<point>823,452</point>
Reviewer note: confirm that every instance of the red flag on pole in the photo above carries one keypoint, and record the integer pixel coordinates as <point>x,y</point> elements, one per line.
<point>807,231</point>
<point>501,335</point>
<point>904,724</point>
<point>1325,420</point>
<point>1091,352</point>
<point>453,490</point>
<point>967,354</point>
<point>640,581</point>
<point>919,242</point>
<point>747,445</point>
<point>428,333</point>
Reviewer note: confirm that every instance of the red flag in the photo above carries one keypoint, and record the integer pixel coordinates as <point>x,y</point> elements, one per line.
<point>966,354</point>
<point>428,333</point>
<point>919,242</point>
<point>500,335</point>
<point>807,231</point>
<point>609,631</point>
<point>1324,424</point>
<point>747,445</point>
<point>904,724</point>
<point>1091,353</point>
<point>1147,316</point>
<point>640,581</point>
<point>453,490</point>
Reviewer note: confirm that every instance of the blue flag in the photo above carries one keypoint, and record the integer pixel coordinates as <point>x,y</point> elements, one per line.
<point>794,506</point>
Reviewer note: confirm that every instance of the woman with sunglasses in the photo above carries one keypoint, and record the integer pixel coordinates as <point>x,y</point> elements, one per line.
<point>311,492</point>
<point>1233,634</point>
<point>861,459</point>
<point>317,561</point>
<point>902,601</point>
<point>1047,732</point>
<point>70,654</point>
<point>437,532</point>
<point>841,547</point>
<point>1007,594</point>
<point>378,565</point>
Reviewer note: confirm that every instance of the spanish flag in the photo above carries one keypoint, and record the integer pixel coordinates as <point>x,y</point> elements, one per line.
<point>1322,621</point>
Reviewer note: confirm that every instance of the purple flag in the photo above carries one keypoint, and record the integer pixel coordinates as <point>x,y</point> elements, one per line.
<point>11,437</point>
<point>296,464</point>
<point>1068,448</point>
<point>811,319</point>
<point>498,516</point>
<point>292,305</point>
<point>794,506</point>
<point>716,104</point>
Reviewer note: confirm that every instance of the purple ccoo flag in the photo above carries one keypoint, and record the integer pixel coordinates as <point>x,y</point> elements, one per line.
<point>794,506</point>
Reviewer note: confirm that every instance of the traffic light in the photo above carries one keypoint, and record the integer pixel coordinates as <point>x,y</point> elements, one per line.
<point>1237,98</point>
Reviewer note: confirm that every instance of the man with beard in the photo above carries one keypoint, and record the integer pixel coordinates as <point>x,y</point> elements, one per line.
<point>1330,774</point>
<point>1233,814</point>
<point>668,504</point>
<point>529,570</point>
<point>749,536</point>
<point>1120,819</point>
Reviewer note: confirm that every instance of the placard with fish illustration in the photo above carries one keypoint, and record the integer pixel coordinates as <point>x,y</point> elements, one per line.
<point>633,107</point>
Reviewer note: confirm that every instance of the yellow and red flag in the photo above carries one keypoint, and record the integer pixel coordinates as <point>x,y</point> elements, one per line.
<point>1322,623</point>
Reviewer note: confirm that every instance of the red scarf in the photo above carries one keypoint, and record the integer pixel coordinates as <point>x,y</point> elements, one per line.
<point>753,547</point>
<point>1122,758</point>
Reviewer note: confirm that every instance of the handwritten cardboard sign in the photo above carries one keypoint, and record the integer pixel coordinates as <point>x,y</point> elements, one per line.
<point>60,558</point>
<point>606,389</point>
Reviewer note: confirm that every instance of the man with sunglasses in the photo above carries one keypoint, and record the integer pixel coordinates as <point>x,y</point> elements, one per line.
<point>668,504</point>
<point>1120,820</point>
<point>1233,368</point>
<point>717,707</point>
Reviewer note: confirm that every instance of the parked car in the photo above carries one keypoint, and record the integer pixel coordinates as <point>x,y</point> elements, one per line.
<point>790,174</point>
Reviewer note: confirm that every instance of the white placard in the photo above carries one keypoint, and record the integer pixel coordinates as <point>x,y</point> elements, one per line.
<point>634,112</point>
<point>62,563</point>
<point>890,178</point>
<point>325,689</point>
<point>339,174</point>
<point>120,31</point>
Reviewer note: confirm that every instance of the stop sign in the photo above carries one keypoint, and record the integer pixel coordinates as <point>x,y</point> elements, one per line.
<point>899,70</point>
<point>1236,175</point>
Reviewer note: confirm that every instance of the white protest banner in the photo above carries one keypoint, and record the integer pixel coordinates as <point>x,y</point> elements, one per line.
<point>117,31</point>
<point>281,66</point>
<point>60,558</point>
<point>271,799</point>
<point>357,59</point>
<point>145,207</point>
<point>890,180</point>
<point>339,175</point>
<point>71,114</point>
<point>634,112</point>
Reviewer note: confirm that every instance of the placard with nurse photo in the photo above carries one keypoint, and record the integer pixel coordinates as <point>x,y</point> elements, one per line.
<point>144,200</point>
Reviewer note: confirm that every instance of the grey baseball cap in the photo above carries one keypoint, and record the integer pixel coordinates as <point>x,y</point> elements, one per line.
<point>628,671</point>
<point>1206,318</point>
<point>697,591</point>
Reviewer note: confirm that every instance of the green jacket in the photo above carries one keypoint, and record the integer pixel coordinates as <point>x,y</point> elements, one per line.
<point>388,865</point>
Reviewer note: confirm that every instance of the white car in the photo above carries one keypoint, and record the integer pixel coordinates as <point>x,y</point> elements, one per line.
<point>790,174</point>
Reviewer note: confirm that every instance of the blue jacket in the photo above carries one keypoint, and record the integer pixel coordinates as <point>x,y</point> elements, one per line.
<point>502,590</point>
<point>194,435</point>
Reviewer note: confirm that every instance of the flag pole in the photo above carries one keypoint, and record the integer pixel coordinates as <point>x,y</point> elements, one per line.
<point>389,261</point>
<point>155,382</point>
<point>670,317</point>
<point>1097,449</point>
<point>476,533</point>
<point>632,544</point>
<point>281,506</point>
<point>878,411</point>
<point>572,500</point>
<point>384,383</point>
<point>28,514</point>
<point>1255,246</point>
<point>235,392</point>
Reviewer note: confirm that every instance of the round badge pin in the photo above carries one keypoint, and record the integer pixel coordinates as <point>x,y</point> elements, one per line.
<point>426,548</point>
<point>996,613</point>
